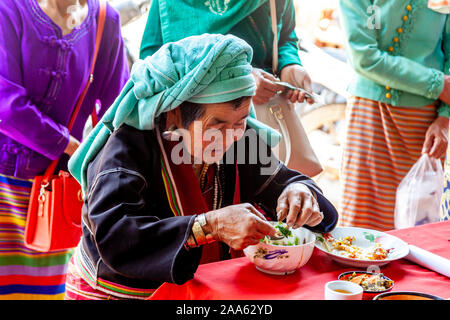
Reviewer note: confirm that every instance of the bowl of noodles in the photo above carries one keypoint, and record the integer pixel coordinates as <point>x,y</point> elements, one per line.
<point>283,253</point>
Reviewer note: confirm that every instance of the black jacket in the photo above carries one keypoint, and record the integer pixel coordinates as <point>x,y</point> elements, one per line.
<point>130,235</point>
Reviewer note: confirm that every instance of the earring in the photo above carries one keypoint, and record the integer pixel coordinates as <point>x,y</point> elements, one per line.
<point>171,134</point>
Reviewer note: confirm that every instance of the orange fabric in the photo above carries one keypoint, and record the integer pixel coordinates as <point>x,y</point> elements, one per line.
<point>238,279</point>
<point>438,3</point>
<point>382,144</point>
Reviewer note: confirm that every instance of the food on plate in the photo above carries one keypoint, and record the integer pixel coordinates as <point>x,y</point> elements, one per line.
<point>346,248</point>
<point>283,236</point>
<point>370,282</point>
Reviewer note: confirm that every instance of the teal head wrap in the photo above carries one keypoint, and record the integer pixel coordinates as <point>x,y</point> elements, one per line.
<point>210,68</point>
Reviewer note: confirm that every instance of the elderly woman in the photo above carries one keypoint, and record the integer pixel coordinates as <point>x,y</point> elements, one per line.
<point>161,197</point>
<point>400,107</point>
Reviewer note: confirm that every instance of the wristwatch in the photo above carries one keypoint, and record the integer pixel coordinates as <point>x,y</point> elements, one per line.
<point>201,219</point>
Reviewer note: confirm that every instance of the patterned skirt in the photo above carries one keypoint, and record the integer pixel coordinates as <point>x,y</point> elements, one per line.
<point>25,274</point>
<point>382,144</point>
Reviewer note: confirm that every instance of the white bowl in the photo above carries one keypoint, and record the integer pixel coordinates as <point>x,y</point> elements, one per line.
<point>353,291</point>
<point>282,260</point>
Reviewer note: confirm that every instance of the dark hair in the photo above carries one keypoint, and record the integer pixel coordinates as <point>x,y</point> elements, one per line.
<point>192,111</point>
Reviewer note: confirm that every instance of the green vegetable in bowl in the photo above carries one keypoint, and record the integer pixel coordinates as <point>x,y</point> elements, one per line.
<point>283,236</point>
<point>284,231</point>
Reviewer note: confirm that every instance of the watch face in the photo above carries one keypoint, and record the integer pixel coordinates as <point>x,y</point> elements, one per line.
<point>201,219</point>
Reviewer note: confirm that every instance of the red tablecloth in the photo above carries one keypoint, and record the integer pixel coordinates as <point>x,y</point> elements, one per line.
<point>237,279</point>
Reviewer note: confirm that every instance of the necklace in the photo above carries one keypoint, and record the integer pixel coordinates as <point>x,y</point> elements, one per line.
<point>218,187</point>
<point>218,184</point>
<point>203,176</point>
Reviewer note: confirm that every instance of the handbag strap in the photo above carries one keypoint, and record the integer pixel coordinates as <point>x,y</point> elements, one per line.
<point>273,18</point>
<point>279,116</point>
<point>100,27</point>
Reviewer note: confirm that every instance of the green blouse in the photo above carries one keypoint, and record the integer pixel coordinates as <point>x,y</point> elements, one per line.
<point>254,27</point>
<point>399,49</point>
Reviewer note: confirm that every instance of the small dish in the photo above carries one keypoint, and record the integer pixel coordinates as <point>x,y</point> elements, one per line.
<point>367,294</point>
<point>406,295</point>
<point>343,290</point>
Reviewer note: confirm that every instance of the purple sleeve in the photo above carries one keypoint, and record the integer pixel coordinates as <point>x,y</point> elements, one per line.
<point>20,119</point>
<point>117,71</point>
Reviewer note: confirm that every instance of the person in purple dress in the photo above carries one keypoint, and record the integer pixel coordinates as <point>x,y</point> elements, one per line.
<point>46,50</point>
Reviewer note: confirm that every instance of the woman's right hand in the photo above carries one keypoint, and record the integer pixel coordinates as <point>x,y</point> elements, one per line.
<point>72,146</point>
<point>445,95</point>
<point>239,226</point>
<point>265,86</point>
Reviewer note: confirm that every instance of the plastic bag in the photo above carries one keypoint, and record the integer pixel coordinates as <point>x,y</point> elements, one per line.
<point>419,194</point>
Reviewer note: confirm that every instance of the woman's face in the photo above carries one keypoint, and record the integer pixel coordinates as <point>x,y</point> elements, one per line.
<point>209,137</point>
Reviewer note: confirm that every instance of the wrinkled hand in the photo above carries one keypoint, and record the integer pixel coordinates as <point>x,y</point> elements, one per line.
<point>238,225</point>
<point>297,76</point>
<point>436,138</point>
<point>445,95</point>
<point>265,86</point>
<point>299,206</point>
<point>72,146</point>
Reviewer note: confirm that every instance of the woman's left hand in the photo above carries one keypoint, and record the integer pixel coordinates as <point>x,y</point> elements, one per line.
<point>436,138</point>
<point>299,206</point>
<point>297,76</point>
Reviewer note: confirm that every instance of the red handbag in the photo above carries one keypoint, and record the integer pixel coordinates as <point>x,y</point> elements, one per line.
<point>54,209</point>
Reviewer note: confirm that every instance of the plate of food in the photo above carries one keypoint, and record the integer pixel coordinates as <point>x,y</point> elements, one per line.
<point>371,282</point>
<point>360,247</point>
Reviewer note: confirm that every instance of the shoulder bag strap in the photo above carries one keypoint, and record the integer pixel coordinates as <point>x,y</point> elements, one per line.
<point>301,152</point>
<point>273,17</point>
<point>278,114</point>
